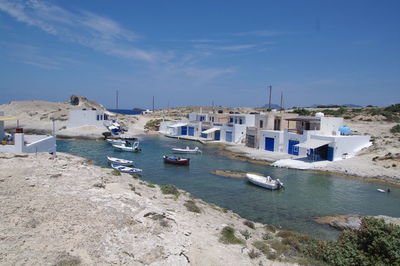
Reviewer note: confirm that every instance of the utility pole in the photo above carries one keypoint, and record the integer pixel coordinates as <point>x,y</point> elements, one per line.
<point>212,103</point>
<point>281,101</point>
<point>153,104</point>
<point>116,100</point>
<point>270,94</point>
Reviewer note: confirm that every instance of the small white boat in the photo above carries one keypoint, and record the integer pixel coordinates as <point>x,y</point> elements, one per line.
<point>125,169</point>
<point>119,161</point>
<point>128,146</point>
<point>383,191</point>
<point>115,141</point>
<point>186,150</point>
<point>266,182</point>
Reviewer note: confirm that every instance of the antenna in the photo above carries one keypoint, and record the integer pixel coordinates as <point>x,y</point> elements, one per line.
<point>116,100</point>
<point>270,93</point>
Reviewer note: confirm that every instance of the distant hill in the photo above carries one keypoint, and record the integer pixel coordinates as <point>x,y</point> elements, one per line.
<point>333,105</point>
<point>273,106</point>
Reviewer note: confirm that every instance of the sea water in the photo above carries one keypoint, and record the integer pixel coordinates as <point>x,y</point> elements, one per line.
<point>307,194</point>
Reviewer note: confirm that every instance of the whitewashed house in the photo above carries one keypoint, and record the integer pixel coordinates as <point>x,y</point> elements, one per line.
<point>78,118</point>
<point>316,137</point>
<point>21,143</point>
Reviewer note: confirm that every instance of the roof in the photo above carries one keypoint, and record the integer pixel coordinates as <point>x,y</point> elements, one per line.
<point>178,125</point>
<point>313,143</point>
<point>305,118</point>
<point>8,118</point>
<point>210,130</point>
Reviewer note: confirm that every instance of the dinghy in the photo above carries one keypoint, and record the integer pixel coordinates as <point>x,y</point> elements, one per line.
<point>119,161</point>
<point>265,182</point>
<point>383,191</point>
<point>125,169</point>
<point>176,160</point>
<point>128,146</point>
<point>186,150</point>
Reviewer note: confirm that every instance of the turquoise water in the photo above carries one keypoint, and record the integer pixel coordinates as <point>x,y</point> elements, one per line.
<point>307,194</point>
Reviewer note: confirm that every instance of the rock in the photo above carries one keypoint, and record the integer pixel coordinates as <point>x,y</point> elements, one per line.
<point>343,222</point>
<point>228,173</point>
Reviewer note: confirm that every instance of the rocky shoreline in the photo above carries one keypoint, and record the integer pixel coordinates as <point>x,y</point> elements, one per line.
<point>62,209</point>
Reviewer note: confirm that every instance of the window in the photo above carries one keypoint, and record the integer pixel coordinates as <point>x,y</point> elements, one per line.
<point>240,121</point>
<point>261,123</point>
<point>202,118</point>
<point>231,120</point>
<point>98,117</point>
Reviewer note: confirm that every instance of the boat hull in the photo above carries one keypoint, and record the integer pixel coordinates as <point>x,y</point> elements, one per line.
<point>265,182</point>
<point>117,161</point>
<point>176,161</point>
<point>127,170</point>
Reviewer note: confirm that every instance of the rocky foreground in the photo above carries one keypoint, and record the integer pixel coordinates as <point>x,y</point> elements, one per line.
<point>62,210</point>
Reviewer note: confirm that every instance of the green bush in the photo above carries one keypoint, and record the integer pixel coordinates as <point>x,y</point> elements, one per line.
<point>375,243</point>
<point>246,234</point>
<point>115,172</point>
<point>228,236</point>
<point>170,189</point>
<point>301,111</point>
<point>395,129</point>
<point>153,124</point>
<point>191,206</point>
<point>253,254</point>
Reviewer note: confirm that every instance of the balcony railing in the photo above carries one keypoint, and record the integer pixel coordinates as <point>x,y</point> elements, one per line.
<point>295,131</point>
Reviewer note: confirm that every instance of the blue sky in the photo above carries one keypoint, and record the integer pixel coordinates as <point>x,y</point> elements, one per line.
<point>196,52</point>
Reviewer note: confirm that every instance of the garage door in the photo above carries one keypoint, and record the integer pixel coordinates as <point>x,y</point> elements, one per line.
<point>269,144</point>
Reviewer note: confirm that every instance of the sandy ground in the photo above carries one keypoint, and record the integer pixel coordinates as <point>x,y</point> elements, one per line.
<point>61,210</point>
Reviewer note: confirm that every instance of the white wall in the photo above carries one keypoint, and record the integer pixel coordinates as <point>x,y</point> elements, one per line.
<point>35,143</point>
<point>78,118</point>
<point>345,144</point>
<point>330,126</point>
<point>277,135</point>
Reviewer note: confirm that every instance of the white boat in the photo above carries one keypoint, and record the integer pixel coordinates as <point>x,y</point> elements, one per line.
<point>186,150</point>
<point>119,161</point>
<point>125,169</point>
<point>383,191</point>
<point>115,141</point>
<point>266,182</point>
<point>128,146</point>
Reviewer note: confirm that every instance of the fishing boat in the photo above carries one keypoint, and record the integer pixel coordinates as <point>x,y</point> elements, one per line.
<point>119,161</point>
<point>186,150</point>
<point>176,160</point>
<point>125,169</point>
<point>383,191</point>
<point>128,146</point>
<point>265,182</point>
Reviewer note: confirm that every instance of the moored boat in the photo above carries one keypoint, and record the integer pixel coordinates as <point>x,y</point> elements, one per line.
<point>265,182</point>
<point>125,169</point>
<point>186,150</point>
<point>176,160</point>
<point>115,141</point>
<point>118,161</point>
<point>128,146</point>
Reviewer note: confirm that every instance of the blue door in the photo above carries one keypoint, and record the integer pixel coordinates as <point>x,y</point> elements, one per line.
<point>228,137</point>
<point>191,131</point>
<point>293,149</point>
<point>330,153</point>
<point>217,135</point>
<point>184,131</point>
<point>202,134</point>
<point>269,144</point>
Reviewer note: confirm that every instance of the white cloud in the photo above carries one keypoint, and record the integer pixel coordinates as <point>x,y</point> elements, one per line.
<point>106,36</point>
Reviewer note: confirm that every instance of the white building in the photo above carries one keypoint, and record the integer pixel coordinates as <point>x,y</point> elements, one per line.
<point>316,137</point>
<point>78,118</point>
<point>21,143</point>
